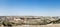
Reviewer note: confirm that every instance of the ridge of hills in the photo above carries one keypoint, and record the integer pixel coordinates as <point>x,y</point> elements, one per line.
<point>29,20</point>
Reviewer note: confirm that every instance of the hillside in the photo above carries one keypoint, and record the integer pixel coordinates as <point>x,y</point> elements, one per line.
<point>28,20</point>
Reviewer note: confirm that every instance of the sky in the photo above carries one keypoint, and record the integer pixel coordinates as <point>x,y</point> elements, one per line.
<point>29,7</point>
